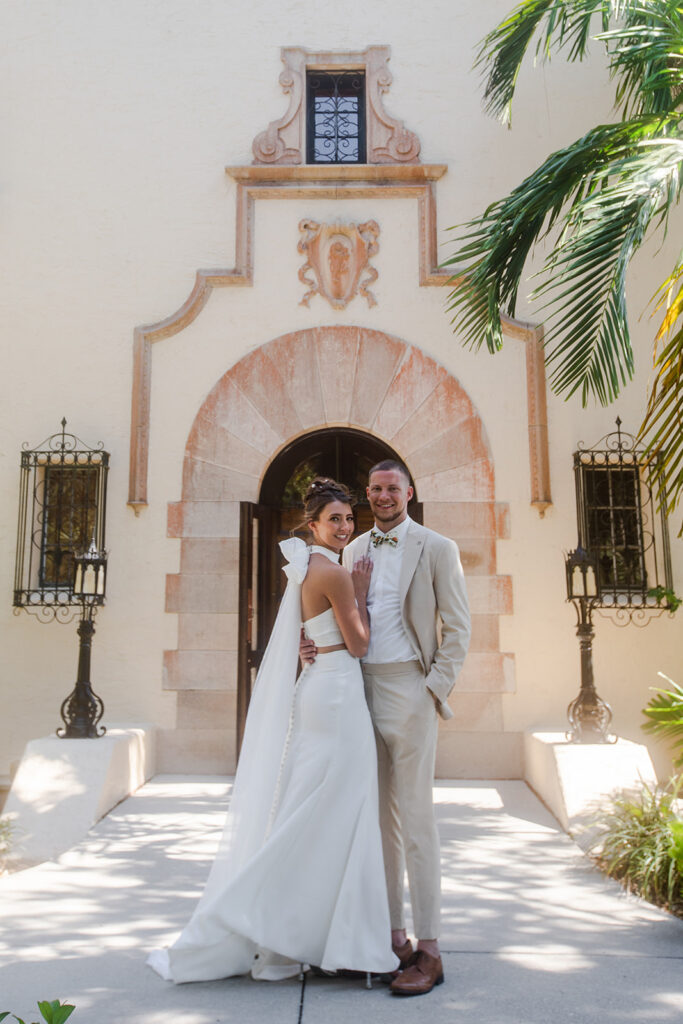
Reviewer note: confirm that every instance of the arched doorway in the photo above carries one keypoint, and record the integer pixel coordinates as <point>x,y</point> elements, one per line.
<point>342,453</point>
<point>274,397</point>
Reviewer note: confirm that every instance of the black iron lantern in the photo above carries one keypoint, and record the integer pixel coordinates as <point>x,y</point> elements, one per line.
<point>61,564</point>
<point>90,575</point>
<point>83,709</point>
<point>582,579</point>
<point>589,715</point>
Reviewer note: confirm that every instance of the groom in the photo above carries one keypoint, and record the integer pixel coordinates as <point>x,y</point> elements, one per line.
<point>419,633</point>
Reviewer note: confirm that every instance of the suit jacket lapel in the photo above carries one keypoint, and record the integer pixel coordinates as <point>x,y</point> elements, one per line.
<point>414,542</point>
<point>360,547</point>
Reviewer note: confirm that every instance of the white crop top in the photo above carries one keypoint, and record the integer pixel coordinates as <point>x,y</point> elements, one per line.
<point>323,629</point>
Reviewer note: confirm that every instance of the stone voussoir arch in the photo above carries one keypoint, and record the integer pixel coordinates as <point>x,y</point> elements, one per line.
<point>296,384</point>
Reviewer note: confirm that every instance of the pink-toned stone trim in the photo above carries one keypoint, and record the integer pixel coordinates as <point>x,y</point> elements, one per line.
<point>490,595</point>
<point>485,633</point>
<point>200,670</point>
<point>325,182</point>
<point>198,751</point>
<point>384,386</point>
<point>198,593</point>
<point>474,712</point>
<point>479,755</point>
<point>487,672</point>
<point>200,709</point>
<point>205,518</point>
<point>209,554</point>
<point>388,140</point>
<point>463,519</point>
<point>212,631</point>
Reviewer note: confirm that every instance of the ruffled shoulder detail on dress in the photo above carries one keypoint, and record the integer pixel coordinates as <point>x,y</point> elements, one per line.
<point>297,553</point>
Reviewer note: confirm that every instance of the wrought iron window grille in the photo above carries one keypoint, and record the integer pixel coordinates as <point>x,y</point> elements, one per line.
<point>621,567</point>
<point>335,117</point>
<point>621,528</point>
<point>62,501</point>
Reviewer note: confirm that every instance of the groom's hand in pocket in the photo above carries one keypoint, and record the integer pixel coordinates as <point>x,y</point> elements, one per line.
<point>307,650</point>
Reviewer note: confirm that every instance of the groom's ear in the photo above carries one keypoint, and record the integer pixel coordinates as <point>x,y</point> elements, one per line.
<point>410,492</point>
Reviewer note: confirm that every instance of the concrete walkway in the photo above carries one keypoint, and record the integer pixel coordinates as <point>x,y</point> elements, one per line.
<point>531,932</point>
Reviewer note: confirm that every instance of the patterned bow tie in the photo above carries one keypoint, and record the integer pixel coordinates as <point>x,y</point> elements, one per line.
<point>378,538</point>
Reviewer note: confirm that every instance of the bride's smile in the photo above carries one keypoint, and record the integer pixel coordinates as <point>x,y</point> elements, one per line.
<point>334,527</point>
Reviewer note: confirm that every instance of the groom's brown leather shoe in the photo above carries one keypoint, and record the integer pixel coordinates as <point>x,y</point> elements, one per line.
<point>421,977</point>
<point>406,956</point>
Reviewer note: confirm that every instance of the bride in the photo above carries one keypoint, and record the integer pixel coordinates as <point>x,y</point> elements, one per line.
<point>299,876</point>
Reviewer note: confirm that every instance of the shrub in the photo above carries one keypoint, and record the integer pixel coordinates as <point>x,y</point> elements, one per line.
<point>53,1012</point>
<point>641,845</point>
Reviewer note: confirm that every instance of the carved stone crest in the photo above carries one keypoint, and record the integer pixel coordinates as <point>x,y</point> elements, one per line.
<point>338,256</point>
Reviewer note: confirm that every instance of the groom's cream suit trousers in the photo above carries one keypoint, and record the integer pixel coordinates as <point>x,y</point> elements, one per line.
<point>405,724</point>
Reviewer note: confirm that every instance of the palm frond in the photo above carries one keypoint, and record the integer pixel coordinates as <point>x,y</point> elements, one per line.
<point>665,715</point>
<point>605,189</point>
<point>644,48</point>
<point>646,56</point>
<point>603,192</point>
<point>503,50</point>
<point>584,278</point>
<point>662,428</point>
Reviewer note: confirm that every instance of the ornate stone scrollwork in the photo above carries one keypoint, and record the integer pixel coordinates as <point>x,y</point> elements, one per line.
<point>338,255</point>
<point>282,141</point>
<point>388,140</point>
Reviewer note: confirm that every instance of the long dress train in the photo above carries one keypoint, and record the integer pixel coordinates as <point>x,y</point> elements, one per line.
<point>299,875</point>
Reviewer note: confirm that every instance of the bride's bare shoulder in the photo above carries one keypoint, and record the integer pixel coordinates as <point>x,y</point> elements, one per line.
<point>325,574</point>
<point>322,566</point>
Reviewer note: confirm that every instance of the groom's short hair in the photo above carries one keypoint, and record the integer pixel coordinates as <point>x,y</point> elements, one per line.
<point>386,465</point>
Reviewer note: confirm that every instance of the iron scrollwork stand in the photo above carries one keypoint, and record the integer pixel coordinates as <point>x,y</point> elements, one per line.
<point>82,710</point>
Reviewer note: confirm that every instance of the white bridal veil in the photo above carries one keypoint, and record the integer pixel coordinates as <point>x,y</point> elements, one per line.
<point>206,949</point>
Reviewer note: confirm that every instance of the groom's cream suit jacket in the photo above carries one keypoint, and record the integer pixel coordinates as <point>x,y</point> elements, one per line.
<point>434,606</point>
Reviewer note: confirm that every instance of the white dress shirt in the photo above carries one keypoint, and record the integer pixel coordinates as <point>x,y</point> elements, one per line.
<point>389,641</point>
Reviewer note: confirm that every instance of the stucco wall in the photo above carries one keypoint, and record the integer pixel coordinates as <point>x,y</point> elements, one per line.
<point>118,119</point>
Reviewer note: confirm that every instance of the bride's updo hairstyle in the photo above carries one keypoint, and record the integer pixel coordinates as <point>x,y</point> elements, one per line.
<point>321,491</point>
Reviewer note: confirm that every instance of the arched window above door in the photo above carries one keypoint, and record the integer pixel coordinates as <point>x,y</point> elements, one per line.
<point>345,455</point>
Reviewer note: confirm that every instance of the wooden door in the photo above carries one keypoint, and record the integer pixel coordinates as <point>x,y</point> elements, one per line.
<point>255,599</point>
<point>343,454</point>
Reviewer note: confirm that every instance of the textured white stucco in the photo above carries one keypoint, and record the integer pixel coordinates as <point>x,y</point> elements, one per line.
<point>118,119</point>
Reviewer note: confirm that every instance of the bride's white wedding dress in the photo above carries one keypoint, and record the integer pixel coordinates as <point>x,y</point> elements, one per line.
<point>299,875</point>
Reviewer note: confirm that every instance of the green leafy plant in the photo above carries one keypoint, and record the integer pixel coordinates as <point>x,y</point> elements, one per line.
<point>53,1012</point>
<point>641,845</point>
<point>667,597</point>
<point>665,714</point>
<point>676,849</point>
<point>594,202</point>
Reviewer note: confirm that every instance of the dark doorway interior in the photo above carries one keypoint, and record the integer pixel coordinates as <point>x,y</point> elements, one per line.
<point>344,454</point>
